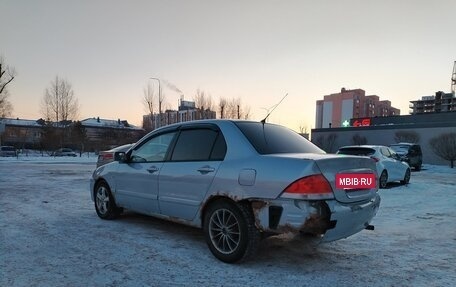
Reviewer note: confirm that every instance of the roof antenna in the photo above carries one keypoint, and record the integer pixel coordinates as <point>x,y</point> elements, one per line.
<point>263,121</point>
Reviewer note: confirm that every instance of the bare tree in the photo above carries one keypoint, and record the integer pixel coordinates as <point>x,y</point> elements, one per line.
<point>161,99</point>
<point>222,107</point>
<point>407,136</point>
<point>444,146</point>
<point>326,143</point>
<point>149,104</point>
<point>59,102</point>
<point>7,75</point>
<point>359,140</point>
<point>302,129</point>
<point>233,109</point>
<point>203,100</point>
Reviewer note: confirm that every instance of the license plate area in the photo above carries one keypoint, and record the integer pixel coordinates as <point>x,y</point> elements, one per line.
<point>352,182</point>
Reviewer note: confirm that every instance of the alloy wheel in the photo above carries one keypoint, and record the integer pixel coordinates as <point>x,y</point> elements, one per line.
<point>224,231</point>
<point>102,200</point>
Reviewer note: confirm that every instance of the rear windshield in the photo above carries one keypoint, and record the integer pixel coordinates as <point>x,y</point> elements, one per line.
<point>361,151</point>
<point>270,139</point>
<point>400,148</point>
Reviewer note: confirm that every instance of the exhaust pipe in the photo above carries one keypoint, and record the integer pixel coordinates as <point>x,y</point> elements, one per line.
<point>370,227</point>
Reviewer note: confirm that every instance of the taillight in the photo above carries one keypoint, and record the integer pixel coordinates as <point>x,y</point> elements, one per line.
<point>310,187</point>
<point>375,159</point>
<point>108,156</point>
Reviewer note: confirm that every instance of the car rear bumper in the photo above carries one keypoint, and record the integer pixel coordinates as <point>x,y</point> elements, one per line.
<point>351,219</point>
<point>329,218</point>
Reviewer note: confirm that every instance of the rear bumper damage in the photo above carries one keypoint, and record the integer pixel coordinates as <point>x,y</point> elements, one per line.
<point>329,219</point>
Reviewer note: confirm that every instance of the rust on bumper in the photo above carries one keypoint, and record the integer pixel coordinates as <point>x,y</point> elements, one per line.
<point>303,217</point>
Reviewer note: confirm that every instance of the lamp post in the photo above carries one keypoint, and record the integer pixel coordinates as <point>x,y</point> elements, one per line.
<point>159,102</point>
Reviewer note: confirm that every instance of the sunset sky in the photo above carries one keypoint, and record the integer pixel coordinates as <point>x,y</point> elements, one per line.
<point>255,50</point>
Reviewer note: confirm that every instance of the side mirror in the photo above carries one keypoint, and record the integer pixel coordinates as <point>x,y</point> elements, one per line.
<point>120,157</point>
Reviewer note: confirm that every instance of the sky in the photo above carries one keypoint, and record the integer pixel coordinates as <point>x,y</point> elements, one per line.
<point>258,51</point>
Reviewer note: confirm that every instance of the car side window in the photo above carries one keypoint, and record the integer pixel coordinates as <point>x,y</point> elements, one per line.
<point>154,149</point>
<point>385,151</point>
<point>393,154</point>
<point>196,145</point>
<point>219,149</point>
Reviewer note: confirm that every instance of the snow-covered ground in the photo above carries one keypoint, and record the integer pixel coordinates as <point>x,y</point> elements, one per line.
<point>50,235</point>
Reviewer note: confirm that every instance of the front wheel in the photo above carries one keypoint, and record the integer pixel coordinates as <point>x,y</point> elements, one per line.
<point>230,231</point>
<point>104,202</point>
<point>406,177</point>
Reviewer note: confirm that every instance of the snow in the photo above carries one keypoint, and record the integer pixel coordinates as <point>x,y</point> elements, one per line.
<point>50,235</point>
<point>97,122</point>
<point>20,122</point>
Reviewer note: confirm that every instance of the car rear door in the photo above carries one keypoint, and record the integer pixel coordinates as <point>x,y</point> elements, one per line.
<point>185,179</point>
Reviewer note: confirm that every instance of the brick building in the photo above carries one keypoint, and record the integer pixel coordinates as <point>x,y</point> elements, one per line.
<point>337,108</point>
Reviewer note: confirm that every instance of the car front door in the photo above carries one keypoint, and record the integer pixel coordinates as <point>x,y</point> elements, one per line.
<point>185,179</point>
<point>137,179</point>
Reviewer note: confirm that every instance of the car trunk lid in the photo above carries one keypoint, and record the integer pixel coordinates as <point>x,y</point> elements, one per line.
<point>332,165</point>
<point>337,166</point>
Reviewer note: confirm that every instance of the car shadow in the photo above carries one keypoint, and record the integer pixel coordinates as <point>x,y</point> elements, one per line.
<point>286,249</point>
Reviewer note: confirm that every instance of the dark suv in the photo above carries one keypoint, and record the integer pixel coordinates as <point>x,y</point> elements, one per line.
<point>410,153</point>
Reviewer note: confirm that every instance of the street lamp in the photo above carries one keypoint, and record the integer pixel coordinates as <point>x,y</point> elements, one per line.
<point>159,102</point>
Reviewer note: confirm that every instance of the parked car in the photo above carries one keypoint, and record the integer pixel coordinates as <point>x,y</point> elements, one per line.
<point>239,181</point>
<point>410,153</point>
<point>8,151</point>
<point>105,157</point>
<point>64,152</point>
<point>390,168</point>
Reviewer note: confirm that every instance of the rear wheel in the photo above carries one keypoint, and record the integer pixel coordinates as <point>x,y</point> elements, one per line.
<point>406,177</point>
<point>383,179</point>
<point>104,202</point>
<point>230,231</point>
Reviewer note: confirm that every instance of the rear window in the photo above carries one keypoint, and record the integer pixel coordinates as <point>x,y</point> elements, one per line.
<point>270,139</point>
<point>361,151</point>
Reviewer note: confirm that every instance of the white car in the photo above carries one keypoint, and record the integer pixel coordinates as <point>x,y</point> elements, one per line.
<point>105,157</point>
<point>389,166</point>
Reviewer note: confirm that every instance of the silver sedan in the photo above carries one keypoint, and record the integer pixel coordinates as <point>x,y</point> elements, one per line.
<point>239,181</point>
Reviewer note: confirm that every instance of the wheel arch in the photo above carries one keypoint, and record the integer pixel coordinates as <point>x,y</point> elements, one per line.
<point>100,180</point>
<point>215,198</point>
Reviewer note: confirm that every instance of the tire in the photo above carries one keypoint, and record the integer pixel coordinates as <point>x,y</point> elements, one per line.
<point>104,202</point>
<point>230,231</point>
<point>383,181</point>
<point>406,179</point>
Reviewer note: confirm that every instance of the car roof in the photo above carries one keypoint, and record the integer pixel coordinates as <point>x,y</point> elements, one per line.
<point>407,144</point>
<point>363,146</point>
<point>217,122</point>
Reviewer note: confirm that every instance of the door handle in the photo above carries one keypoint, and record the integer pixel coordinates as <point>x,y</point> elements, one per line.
<point>206,169</point>
<point>153,169</point>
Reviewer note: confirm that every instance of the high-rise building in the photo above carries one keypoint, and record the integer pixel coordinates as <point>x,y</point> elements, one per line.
<point>336,109</point>
<point>441,102</point>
